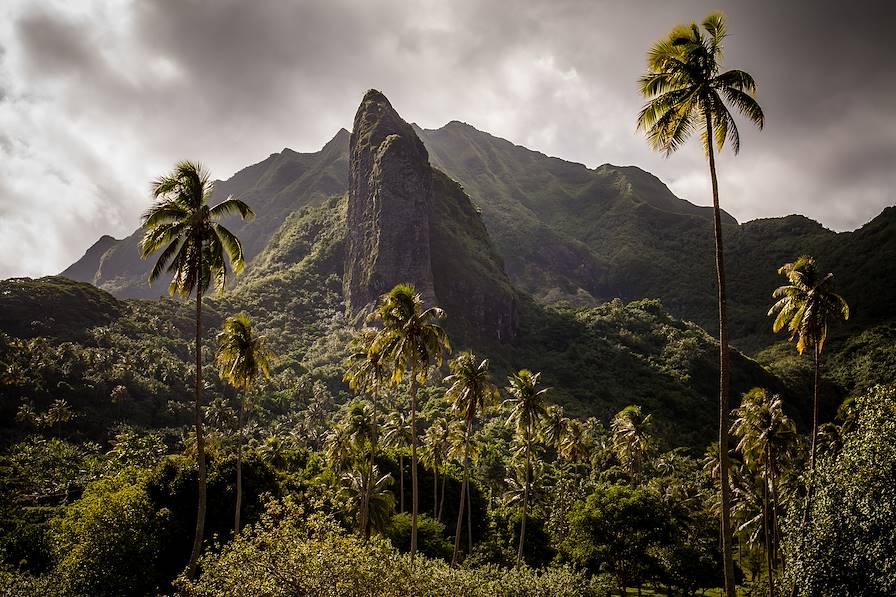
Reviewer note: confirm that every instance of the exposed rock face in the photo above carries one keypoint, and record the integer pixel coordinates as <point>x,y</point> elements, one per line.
<point>407,222</point>
<point>390,199</point>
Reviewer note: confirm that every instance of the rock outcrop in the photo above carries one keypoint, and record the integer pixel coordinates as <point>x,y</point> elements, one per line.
<point>408,223</point>
<point>389,202</point>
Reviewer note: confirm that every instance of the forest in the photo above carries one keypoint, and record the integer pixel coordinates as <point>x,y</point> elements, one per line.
<point>480,426</point>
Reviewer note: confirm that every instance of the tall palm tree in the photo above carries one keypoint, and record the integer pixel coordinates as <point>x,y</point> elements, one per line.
<point>632,439</point>
<point>413,342</point>
<point>437,444</point>
<point>243,357</point>
<point>196,251</point>
<point>527,409</point>
<point>687,92</point>
<point>397,435</point>
<point>767,438</point>
<point>367,372</point>
<point>805,306</point>
<point>470,390</point>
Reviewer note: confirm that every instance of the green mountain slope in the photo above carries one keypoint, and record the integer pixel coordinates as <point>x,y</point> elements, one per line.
<point>275,188</point>
<point>595,360</point>
<point>566,232</point>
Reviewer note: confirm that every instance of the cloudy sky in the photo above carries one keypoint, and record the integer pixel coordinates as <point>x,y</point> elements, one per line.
<point>98,97</point>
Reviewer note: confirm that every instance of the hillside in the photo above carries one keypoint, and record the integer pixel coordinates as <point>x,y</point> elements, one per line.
<point>564,232</point>
<point>596,360</point>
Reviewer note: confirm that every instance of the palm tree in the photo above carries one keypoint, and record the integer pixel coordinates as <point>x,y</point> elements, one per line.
<point>340,447</point>
<point>576,442</point>
<point>804,307</point>
<point>58,414</point>
<point>397,435</point>
<point>367,372</point>
<point>470,390</point>
<point>554,426</point>
<point>242,358</point>
<point>767,439</point>
<point>632,440</point>
<point>437,443</point>
<point>687,92</point>
<point>380,503</point>
<point>196,250</point>
<point>527,409</point>
<point>412,342</point>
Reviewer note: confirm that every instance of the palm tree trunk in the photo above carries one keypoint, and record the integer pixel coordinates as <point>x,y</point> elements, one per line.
<point>239,467</point>
<point>469,520</point>
<point>200,444</point>
<point>414,501</point>
<point>776,531</point>
<point>442,499</point>
<point>724,375</point>
<point>368,492</point>
<point>768,542</point>
<point>815,397</point>
<point>435,488</point>
<point>463,493</point>
<point>519,553</point>
<point>401,474</point>
<point>810,487</point>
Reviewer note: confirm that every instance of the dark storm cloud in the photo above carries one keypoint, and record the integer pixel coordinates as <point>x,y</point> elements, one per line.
<point>98,98</point>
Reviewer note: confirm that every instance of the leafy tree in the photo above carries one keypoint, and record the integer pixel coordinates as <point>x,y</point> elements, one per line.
<point>527,410</point>
<point>688,92</point>
<point>107,542</point>
<point>243,356</point>
<point>618,530</point>
<point>805,306</point>
<point>576,443</point>
<point>340,447</point>
<point>293,552</point>
<point>848,546</point>
<point>196,250</point>
<point>59,414</point>
<point>470,391</point>
<point>554,426</point>
<point>412,342</point>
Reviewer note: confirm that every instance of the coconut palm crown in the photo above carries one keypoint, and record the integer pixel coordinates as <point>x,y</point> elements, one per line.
<point>183,225</point>
<point>688,90</point>
<point>806,304</point>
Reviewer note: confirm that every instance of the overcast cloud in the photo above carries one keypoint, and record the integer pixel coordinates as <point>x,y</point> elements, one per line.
<point>98,97</point>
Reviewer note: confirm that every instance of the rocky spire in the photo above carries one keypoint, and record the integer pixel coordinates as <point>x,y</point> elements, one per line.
<point>390,199</point>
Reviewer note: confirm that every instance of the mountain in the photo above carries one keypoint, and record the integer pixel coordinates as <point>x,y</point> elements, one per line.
<point>409,223</point>
<point>565,232</point>
<point>538,262</point>
<point>274,187</point>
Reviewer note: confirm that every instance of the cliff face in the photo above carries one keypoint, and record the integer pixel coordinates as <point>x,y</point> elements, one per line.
<point>408,223</point>
<point>389,201</point>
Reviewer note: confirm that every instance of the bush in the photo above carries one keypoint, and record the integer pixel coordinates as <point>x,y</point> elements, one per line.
<point>289,553</point>
<point>108,541</point>
<point>849,546</point>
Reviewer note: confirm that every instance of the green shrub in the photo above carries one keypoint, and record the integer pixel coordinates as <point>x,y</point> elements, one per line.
<point>290,553</point>
<point>107,542</point>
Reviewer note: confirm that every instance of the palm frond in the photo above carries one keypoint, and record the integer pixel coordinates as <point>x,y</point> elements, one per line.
<point>232,206</point>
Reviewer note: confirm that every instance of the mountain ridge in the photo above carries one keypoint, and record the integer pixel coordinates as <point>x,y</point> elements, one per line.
<point>563,232</point>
